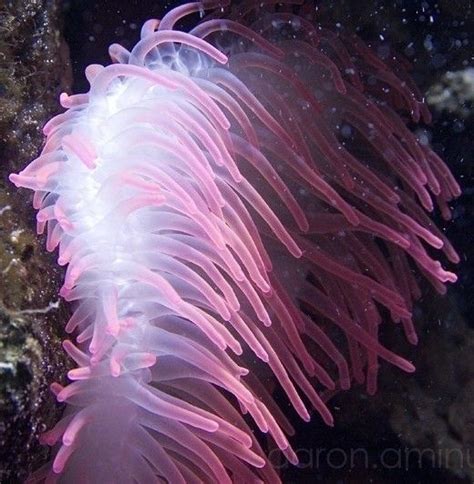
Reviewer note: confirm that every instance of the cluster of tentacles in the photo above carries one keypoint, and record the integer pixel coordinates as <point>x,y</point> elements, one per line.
<point>243,196</point>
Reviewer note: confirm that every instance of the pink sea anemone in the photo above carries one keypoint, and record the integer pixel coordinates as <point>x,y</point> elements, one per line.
<point>242,196</point>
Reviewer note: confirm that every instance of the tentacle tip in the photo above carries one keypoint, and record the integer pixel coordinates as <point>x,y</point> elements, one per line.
<point>238,350</point>
<point>57,467</point>
<point>353,219</point>
<point>452,277</point>
<point>454,258</point>
<point>437,243</point>
<point>67,344</point>
<point>93,70</point>
<point>329,384</point>
<point>67,441</point>
<point>413,339</point>
<point>372,391</point>
<point>296,252</point>
<point>114,366</point>
<point>113,329</point>
<point>345,384</point>
<point>267,322</point>
<point>64,100</point>
<point>329,420</point>
<point>264,357</point>
<point>15,179</point>
<point>45,439</point>
<point>56,388</point>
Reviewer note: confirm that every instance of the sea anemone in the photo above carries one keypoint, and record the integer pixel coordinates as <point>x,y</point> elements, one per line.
<point>239,197</point>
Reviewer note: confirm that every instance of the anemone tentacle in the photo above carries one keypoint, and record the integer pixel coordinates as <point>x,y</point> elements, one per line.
<point>230,199</point>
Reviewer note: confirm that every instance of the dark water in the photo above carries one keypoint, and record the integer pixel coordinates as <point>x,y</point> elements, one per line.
<point>437,37</point>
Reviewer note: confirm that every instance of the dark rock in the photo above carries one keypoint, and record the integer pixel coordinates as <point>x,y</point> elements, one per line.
<point>34,69</point>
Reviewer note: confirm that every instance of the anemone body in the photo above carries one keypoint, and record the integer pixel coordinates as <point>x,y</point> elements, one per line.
<point>242,196</point>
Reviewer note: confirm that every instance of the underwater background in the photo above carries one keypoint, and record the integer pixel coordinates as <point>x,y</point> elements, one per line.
<point>417,428</point>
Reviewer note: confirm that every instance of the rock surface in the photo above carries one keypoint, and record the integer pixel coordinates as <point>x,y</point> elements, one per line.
<point>34,69</point>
